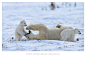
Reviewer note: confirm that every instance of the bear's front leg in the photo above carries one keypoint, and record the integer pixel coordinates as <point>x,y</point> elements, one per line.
<point>21,32</point>
<point>72,39</point>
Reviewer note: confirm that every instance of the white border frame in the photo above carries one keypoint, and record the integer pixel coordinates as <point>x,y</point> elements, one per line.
<point>39,53</point>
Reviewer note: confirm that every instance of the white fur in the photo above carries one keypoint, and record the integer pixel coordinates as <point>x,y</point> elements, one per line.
<point>69,34</point>
<point>63,27</point>
<point>44,32</point>
<point>19,31</point>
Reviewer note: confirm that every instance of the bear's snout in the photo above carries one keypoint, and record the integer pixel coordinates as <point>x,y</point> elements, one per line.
<point>79,33</point>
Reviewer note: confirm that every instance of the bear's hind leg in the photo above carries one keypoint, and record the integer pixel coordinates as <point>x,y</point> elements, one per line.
<point>17,36</point>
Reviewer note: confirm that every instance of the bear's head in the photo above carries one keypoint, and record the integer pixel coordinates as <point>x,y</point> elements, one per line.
<point>23,23</point>
<point>77,31</point>
<point>30,35</point>
<point>58,26</point>
<point>27,35</point>
<point>37,26</point>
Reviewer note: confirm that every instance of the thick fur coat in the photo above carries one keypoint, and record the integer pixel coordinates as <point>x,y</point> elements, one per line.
<point>19,31</point>
<point>44,32</point>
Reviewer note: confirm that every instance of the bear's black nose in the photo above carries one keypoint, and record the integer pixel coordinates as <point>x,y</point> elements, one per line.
<point>79,33</point>
<point>25,25</point>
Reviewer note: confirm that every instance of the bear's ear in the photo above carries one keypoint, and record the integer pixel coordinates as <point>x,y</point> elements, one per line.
<point>57,24</point>
<point>32,24</point>
<point>21,22</point>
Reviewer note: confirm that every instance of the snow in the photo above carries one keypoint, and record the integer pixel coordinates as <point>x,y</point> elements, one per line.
<point>32,12</point>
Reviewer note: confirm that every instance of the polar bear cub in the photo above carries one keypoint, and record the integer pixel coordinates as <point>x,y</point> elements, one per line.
<point>19,31</point>
<point>63,27</point>
<point>69,34</point>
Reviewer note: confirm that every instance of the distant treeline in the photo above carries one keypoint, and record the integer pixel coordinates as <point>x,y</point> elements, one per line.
<point>66,4</point>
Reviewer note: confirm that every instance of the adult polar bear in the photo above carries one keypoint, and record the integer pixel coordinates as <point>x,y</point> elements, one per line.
<point>44,32</point>
<point>69,34</point>
<point>19,31</point>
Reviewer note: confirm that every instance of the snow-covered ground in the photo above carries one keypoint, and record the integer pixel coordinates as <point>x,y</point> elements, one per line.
<point>40,12</point>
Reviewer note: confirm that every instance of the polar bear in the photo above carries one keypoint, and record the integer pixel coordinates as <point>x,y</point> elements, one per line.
<point>19,31</point>
<point>69,34</point>
<point>44,32</point>
<point>63,27</point>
